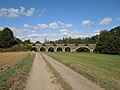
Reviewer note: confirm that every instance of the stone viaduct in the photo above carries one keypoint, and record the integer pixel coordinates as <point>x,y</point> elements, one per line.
<point>63,47</point>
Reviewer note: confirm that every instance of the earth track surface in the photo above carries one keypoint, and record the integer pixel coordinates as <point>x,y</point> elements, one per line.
<point>40,78</point>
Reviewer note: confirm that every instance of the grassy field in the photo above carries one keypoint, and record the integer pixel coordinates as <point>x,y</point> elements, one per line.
<point>102,69</point>
<point>15,77</point>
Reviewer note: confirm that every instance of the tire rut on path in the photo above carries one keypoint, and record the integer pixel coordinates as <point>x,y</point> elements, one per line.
<point>39,77</point>
<point>77,81</point>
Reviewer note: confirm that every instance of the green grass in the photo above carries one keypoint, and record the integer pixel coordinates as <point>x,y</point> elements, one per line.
<point>102,69</point>
<point>15,78</point>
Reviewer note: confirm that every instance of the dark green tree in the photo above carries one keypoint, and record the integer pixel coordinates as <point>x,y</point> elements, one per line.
<point>102,45</point>
<point>38,42</point>
<point>27,41</point>
<point>109,42</point>
<point>7,38</point>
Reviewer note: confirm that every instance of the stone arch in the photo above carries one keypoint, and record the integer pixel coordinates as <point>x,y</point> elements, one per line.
<point>43,49</point>
<point>34,49</point>
<point>59,49</point>
<point>51,49</point>
<point>68,49</point>
<point>82,49</point>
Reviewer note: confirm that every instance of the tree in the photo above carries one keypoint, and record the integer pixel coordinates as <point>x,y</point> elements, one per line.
<point>54,44</point>
<point>43,44</point>
<point>65,44</point>
<point>18,41</point>
<point>38,42</point>
<point>94,39</point>
<point>7,38</point>
<point>27,41</point>
<point>109,42</point>
<point>103,41</point>
<point>115,31</point>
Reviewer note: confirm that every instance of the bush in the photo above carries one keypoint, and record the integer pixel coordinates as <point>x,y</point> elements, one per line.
<point>65,44</point>
<point>43,44</point>
<point>15,49</point>
<point>54,44</point>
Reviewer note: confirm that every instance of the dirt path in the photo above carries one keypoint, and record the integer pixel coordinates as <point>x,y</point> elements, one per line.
<point>74,79</point>
<point>40,77</point>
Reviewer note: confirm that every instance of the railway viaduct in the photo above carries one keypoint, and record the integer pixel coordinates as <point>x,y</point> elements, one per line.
<point>63,47</point>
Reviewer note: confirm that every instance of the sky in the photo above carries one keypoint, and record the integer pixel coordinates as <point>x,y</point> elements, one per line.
<point>55,19</point>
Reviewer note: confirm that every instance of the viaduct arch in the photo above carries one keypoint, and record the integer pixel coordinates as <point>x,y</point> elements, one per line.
<point>63,48</point>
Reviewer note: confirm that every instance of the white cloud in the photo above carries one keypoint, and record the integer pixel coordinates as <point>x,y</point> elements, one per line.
<point>61,23</point>
<point>36,39</point>
<point>105,21</point>
<point>87,23</point>
<point>22,9</point>
<point>67,33</point>
<point>42,26</point>
<point>64,30</point>
<point>33,31</point>
<point>19,32</point>
<point>33,36</point>
<point>13,12</point>
<point>67,26</point>
<point>26,26</point>
<point>48,35</point>
<point>42,12</point>
<point>40,35</point>
<point>53,25</point>
<point>118,19</point>
<point>30,12</point>
<point>16,12</point>
<point>64,25</point>
<point>1,28</point>
<point>64,34</point>
<point>20,37</point>
<point>76,34</point>
<point>97,31</point>
<point>9,13</point>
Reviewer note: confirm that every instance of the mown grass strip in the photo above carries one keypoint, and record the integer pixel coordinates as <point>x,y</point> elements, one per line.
<point>102,69</point>
<point>15,78</point>
<point>63,83</point>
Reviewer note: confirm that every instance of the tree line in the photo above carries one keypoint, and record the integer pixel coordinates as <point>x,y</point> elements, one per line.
<point>87,40</point>
<point>108,42</point>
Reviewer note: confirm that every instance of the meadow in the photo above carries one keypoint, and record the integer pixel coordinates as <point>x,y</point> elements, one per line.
<point>101,69</point>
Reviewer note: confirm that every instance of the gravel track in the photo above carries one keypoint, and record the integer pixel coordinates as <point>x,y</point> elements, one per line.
<point>40,77</point>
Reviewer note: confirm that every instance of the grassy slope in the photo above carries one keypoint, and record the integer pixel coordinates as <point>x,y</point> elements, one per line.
<point>15,78</point>
<point>100,68</point>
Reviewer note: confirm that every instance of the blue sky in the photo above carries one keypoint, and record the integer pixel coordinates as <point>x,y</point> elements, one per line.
<point>55,19</point>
